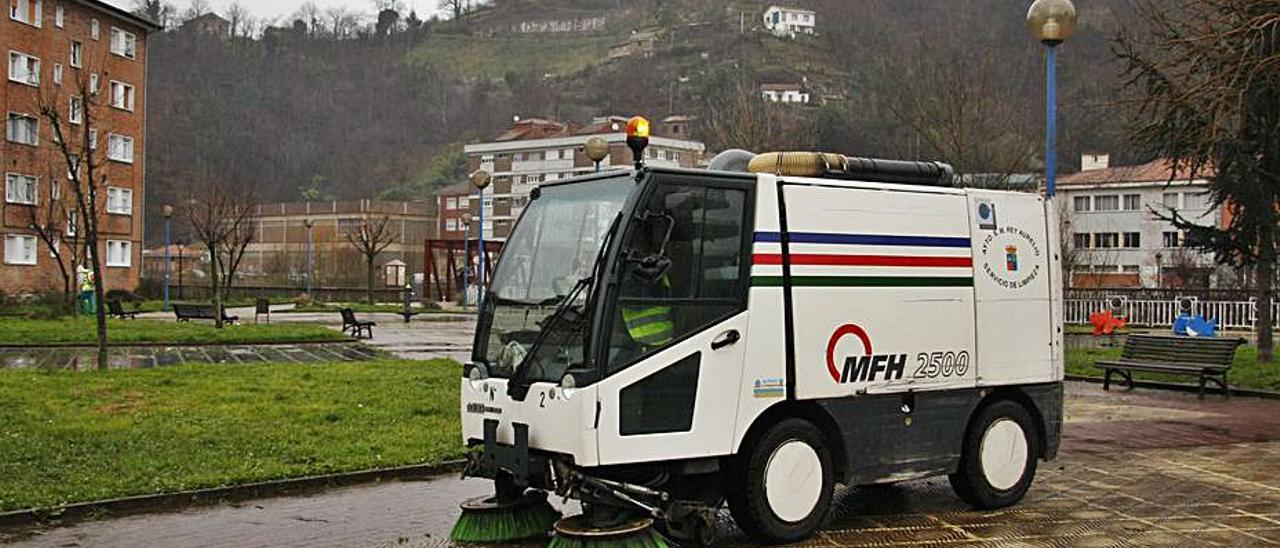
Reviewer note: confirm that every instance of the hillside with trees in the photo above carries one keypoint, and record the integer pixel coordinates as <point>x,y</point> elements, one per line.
<point>338,104</point>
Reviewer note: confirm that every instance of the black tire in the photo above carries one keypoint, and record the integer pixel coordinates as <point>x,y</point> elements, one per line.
<point>747,488</point>
<point>970,482</point>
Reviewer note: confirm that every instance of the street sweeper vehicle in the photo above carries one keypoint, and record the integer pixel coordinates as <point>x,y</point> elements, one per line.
<point>659,342</point>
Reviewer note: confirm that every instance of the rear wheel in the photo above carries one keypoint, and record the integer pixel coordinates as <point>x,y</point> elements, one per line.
<point>781,485</point>
<point>998,461</point>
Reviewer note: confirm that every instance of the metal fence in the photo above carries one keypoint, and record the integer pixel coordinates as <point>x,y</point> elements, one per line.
<point>1161,313</point>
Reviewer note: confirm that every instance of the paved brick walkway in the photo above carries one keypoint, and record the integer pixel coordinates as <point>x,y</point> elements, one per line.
<point>1137,469</point>
<point>142,357</point>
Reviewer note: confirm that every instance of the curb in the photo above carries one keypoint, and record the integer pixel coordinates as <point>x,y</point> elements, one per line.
<point>1180,387</point>
<point>72,513</point>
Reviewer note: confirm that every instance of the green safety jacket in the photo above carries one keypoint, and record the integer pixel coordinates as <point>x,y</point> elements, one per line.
<point>651,326</point>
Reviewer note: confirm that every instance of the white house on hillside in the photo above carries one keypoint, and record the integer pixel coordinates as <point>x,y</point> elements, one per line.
<point>789,21</point>
<point>785,93</point>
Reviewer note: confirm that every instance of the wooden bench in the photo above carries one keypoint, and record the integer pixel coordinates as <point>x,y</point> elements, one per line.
<point>188,312</point>
<point>116,310</point>
<point>357,327</point>
<point>1207,358</point>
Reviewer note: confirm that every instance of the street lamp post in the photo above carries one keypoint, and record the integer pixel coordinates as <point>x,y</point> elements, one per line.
<point>310,265</point>
<point>480,179</point>
<point>182,251</point>
<point>466,256</point>
<point>1051,22</point>
<point>168,215</point>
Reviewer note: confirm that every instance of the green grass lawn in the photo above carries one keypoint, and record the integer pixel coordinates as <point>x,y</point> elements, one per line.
<point>84,331</point>
<point>77,436</point>
<point>1246,372</point>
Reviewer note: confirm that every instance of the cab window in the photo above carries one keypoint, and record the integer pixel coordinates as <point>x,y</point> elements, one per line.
<point>681,268</point>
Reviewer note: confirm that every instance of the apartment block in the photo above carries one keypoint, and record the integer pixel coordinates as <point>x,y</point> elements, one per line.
<point>55,51</point>
<point>1114,234</point>
<point>534,151</point>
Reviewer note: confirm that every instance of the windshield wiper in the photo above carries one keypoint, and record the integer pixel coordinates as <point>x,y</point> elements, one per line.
<point>518,388</point>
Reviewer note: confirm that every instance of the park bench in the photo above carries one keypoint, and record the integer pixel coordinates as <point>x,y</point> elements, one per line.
<point>357,327</point>
<point>116,310</point>
<point>188,312</point>
<point>1207,358</point>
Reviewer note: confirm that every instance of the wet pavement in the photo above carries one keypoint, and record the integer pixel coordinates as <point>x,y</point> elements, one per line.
<point>1142,468</point>
<point>146,357</point>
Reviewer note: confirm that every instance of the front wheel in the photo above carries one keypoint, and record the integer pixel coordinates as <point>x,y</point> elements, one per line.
<point>781,485</point>
<point>999,457</point>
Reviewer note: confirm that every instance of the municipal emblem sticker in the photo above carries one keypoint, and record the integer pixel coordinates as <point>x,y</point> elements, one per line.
<point>1011,257</point>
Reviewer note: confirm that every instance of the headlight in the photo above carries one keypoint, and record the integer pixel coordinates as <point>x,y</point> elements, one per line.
<point>568,382</point>
<point>478,372</point>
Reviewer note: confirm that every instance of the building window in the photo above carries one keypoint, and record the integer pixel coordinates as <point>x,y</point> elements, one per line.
<point>451,224</point>
<point>1106,240</point>
<point>1132,202</point>
<point>120,148</point>
<point>1133,240</point>
<point>124,44</point>
<point>24,69</point>
<point>121,95</point>
<point>26,11</point>
<point>1080,240</point>
<point>55,191</point>
<point>57,74</point>
<point>95,30</point>
<point>1106,203</point>
<point>75,114</point>
<point>93,139</point>
<point>93,83</point>
<point>59,16</point>
<point>119,201</point>
<point>20,128</point>
<point>19,189</point>
<point>1081,204</point>
<point>1130,269</point>
<point>451,202</point>
<point>20,249</point>
<point>1170,239</point>
<point>1197,200</point>
<point>1170,200</point>
<point>77,54</point>
<point>464,202</point>
<point>119,253</point>
<point>72,227</point>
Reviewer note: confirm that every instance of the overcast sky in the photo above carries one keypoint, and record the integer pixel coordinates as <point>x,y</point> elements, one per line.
<point>280,8</point>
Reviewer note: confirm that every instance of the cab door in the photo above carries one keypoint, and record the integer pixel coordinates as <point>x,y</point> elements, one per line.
<point>674,358</point>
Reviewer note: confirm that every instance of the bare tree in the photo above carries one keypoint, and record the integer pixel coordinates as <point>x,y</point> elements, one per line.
<point>245,228</point>
<point>371,237</point>
<point>457,8</point>
<point>1206,77</point>
<point>238,17</point>
<point>196,9</point>
<point>52,224</point>
<point>217,214</point>
<point>156,10</point>
<point>76,123</point>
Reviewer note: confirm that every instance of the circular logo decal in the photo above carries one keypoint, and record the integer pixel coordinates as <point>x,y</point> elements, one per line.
<point>1010,257</point>
<point>846,329</point>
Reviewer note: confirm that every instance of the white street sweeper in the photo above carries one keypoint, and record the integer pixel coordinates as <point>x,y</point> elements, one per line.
<point>658,342</point>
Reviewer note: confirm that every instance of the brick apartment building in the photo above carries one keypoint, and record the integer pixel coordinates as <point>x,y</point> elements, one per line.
<point>51,48</point>
<point>534,150</point>
<point>277,255</point>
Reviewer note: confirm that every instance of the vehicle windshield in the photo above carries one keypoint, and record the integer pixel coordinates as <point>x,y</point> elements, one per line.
<point>548,255</point>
